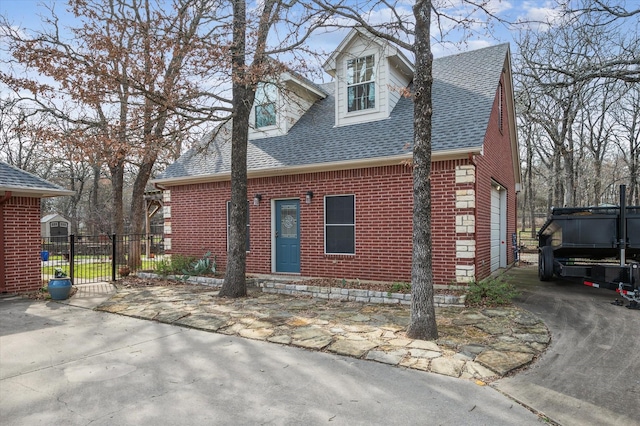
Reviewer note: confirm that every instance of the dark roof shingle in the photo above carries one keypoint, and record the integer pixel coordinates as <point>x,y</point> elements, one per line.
<point>464,88</point>
<point>14,179</point>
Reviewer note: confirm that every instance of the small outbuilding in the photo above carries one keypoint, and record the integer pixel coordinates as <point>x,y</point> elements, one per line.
<point>54,228</point>
<point>20,196</point>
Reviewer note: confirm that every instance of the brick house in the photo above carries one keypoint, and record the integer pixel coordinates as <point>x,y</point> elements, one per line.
<point>329,175</point>
<point>20,195</point>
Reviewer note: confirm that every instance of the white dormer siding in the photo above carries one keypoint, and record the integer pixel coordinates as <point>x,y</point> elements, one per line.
<point>291,97</point>
<point>390,72</point>
<point>268,101</point>
<point>359,50</point>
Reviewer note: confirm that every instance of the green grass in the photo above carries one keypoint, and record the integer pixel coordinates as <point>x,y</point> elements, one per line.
<point>87,270</point>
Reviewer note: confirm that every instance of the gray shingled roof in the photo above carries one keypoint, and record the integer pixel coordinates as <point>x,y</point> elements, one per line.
<point>21,182</point>
<point>463,92</point>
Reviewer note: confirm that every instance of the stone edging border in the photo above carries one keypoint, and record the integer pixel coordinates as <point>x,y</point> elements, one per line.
<point>328,293</point>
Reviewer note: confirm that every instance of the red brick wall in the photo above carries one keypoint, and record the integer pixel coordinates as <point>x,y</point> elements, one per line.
<point>383,237</point>
<point>496,165</point>
<point>22,244</point>
<point>383,221</point>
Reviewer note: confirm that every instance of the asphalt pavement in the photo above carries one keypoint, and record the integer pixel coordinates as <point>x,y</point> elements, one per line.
<point>62,364</point>
<point>590,374</point>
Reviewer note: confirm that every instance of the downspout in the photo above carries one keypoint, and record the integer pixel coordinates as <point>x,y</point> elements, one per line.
<point>3,200</point>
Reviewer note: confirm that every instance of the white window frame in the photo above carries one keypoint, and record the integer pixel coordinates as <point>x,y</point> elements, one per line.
<point>353,225</point>
<point>248,224</point>
<point>371,81</point>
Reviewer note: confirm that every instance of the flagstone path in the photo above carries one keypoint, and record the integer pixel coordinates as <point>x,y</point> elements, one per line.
<point>474,343</point>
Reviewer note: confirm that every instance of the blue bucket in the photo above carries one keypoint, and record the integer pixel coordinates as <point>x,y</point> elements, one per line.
<point>59,288</point>
<point>44,255</point>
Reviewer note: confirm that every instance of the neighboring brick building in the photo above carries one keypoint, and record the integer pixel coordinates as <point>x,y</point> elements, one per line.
<point>20,195</point>
<point>329,170</point>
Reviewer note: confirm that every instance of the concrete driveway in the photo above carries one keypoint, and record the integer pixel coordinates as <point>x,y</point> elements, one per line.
<point>590,374</point>
<point>62,364</point>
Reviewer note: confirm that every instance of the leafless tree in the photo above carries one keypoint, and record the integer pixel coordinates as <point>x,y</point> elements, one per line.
<point>627,138</point>
<point>132,72</point>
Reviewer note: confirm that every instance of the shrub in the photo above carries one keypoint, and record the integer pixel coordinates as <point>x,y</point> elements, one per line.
<point>175,265</point>
<point>400,287</point>
<point>490,292</point>
<point>203,266</point>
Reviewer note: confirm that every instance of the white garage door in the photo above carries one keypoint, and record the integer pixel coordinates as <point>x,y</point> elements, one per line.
<point>495,229</point>
<point>498,227</point>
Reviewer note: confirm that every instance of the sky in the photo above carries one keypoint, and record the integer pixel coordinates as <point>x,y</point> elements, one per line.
<point>26,13</point>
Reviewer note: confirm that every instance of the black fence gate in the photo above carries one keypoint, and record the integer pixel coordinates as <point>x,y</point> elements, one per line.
<point>95,258</point>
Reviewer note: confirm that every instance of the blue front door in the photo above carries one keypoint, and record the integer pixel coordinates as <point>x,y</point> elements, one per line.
<point>288,236</point>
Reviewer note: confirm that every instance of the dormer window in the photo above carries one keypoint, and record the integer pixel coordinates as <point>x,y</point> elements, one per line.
<point>265,102</point>
<point>361,87</point>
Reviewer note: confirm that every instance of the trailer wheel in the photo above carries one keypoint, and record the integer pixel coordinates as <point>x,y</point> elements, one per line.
<point>545,263</point>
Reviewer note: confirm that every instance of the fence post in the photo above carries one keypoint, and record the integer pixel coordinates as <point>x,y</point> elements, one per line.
<point>114,252</point>
<point>72,255</point>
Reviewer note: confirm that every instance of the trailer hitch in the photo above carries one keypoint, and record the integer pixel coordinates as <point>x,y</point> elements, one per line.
<point>632,296</point>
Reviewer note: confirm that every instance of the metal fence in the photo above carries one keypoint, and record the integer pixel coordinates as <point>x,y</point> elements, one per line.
<point>527,243</point>
<point>95,258</point>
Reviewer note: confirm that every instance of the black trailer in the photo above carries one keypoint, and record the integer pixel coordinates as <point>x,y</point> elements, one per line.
<point>600,245</point>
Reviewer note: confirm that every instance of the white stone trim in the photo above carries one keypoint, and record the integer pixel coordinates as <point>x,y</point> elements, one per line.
<point>466,249</point>
<point>465,273</point>
<point>465,199</point>
<point>465,224</point>
<point>465,174</point>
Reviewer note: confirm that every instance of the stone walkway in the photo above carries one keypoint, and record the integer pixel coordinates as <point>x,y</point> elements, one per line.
<point>481,344</point>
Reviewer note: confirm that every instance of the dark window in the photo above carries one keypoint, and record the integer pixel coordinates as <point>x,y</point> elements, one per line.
<point>340,225</point>
<point>229,223</point>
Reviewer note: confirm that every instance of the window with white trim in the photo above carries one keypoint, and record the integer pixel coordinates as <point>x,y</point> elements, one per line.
<point>361,86</point>
<point>229,223</point>
<point>339,224</point>
<point>265,105</point>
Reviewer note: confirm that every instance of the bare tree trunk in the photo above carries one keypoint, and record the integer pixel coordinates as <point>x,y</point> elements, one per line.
<point>530,192</point>
<point>557,195</point>
<point>138,213</point>
<point>422,324</point>
<point>117,184</point>
<point>117,222</point>
<point>235,279</point>
<point>634,150</point>
<point>93,207</point>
